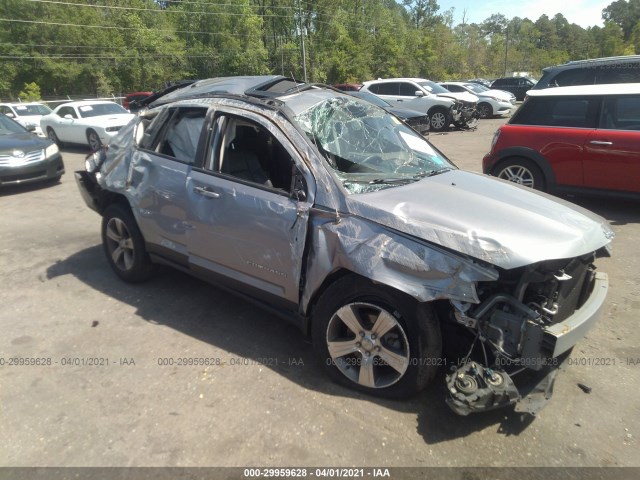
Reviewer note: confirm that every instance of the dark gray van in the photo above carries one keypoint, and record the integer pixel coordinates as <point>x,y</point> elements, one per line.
<point>595,71</point>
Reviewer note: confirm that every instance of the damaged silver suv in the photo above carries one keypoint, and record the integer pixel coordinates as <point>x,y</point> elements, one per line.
<point>342,219</point>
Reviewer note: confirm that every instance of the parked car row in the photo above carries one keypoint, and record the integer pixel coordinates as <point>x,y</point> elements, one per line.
<point>445,103</point>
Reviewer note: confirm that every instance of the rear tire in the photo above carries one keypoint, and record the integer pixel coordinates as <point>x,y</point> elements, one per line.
<point>124,245</point>
<point>521,171</point>
<point>375,339</point>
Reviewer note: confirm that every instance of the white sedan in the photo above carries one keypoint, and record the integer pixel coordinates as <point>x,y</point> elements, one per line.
<point>26,114</point>
<point>491,102</point>
<point>86,122</point>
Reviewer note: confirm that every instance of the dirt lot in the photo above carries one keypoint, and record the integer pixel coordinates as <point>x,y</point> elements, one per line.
<point>107,394</point>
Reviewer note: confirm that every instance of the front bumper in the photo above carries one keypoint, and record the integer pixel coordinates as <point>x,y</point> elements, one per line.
<point>527,381</point>
<point>89,189</point>
<point>47,169</point>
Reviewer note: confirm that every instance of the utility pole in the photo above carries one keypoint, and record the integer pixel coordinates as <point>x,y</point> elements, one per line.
<point>506,51</point>
<point>304,54</point>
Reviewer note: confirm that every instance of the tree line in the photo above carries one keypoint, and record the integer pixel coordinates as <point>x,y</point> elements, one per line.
<point>107,47</point>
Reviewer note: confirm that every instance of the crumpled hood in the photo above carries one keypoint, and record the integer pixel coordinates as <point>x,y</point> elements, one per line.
<point>489,219</point>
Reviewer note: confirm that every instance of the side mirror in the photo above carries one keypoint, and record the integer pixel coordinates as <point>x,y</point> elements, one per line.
<point>139,133</point>
<point>419,93</point>
<point>31,127</point>
<point>10,115</point>
<point>68,116</point>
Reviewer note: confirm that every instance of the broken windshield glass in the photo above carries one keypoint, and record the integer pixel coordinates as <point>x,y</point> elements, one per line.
<point>368,148</point>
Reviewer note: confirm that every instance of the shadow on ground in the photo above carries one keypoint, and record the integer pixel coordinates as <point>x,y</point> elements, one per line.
<point>616,211</point>
<point>228,322</point>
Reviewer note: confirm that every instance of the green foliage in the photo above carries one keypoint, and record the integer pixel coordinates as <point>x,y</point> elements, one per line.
<point>31,92</point>
<point>114,47</point>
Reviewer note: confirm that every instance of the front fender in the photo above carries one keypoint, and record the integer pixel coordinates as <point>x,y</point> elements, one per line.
<point>423,271</point>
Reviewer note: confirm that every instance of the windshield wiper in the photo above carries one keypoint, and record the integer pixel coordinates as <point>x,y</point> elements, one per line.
<point>431,173</point>
<point>401,180</point>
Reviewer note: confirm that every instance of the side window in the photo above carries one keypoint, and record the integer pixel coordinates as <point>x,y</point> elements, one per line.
<point>374,88</point>
<point>180,138</point>
<point>247,151</point>
<point>578,76</point>
<point>619,73</point>
<point>388,88</point>
<point>67,111</point>
<point>4,109</point>
<point>558,112</point>
<point>408,89</point>
<point>621,113</point>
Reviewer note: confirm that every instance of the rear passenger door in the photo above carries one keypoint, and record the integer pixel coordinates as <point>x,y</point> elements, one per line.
<point>162,163</point>
<point>249,208</point>
<point>612,159</point>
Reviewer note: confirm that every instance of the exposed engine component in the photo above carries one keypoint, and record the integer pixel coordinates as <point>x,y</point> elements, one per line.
<point>521,335</point>
<point>476,388</point>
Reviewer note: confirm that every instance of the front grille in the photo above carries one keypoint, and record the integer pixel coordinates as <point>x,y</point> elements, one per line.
<point>30,157</point>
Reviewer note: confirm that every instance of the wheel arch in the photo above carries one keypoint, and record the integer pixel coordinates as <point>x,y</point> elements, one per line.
<point>107,198</point>
<point>536,157</point>
<point>342,273</point>
<point>492,110</point>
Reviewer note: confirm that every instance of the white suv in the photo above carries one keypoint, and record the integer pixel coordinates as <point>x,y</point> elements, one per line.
<point>442,106</point>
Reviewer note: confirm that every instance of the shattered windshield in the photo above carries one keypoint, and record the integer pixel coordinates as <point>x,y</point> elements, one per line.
<point>368,148</point>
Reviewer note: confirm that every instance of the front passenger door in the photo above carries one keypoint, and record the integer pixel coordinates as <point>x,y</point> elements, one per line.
<point>248,227</point>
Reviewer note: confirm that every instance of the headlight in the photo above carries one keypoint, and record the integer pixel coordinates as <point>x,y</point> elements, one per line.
<point>51,150</point>
<point>91,162</point>
<point>112,129</point>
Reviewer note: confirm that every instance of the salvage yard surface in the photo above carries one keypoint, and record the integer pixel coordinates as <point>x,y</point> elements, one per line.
<point>175,372</point>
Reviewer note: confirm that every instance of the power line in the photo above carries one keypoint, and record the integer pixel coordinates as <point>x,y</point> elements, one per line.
<point>293,9</point>
<point>138,9</point>
<point>112,27</point>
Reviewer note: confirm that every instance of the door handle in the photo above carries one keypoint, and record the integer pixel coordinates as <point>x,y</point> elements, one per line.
<point>600,142</point>
<point>206,193</point>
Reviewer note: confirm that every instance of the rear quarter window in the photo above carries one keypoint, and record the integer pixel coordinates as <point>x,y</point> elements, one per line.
<point>385,88</point>
<point>578,76</point>
<point>558,112</point>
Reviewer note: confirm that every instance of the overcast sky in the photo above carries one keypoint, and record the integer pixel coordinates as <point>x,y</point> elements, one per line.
<point>585,13</point>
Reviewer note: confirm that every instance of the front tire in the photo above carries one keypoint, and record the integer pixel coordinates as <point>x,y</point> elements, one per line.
<point>439,120</point>
<point>485,110</point>
<point>94,140</point>
<point>51,134</point>
<point>124,245</point>
<point>375,339</point>
<point>521,171</point>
